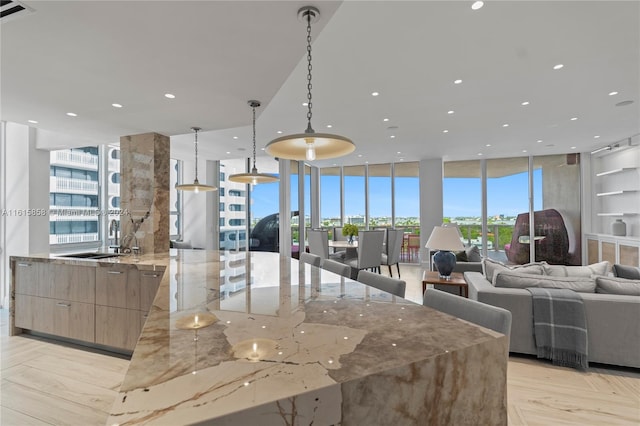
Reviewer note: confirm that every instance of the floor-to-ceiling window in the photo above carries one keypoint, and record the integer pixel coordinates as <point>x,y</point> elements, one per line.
<point>462,198</point>
<point>407,196</point>
<point>264,211</point>
<point>354,196</point>
<point>380,203</point>
<point>330,215</point>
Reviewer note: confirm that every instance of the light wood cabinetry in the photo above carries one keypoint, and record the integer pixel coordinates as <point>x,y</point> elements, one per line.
<point>621,250</point>
<point>124,296</point>
<point>105,304</point>
<point>55,299</point>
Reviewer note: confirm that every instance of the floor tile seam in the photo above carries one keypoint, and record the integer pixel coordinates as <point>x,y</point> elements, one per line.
<point>2,407</point>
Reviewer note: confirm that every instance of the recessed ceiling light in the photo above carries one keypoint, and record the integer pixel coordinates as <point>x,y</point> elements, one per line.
<point>32,121</point>
<point>392,136</point>
<point>402,159</point>
<point>557,67</point>
<point>525,103</point>
<point>479,153</point>
<point>445,131</point>
<point>169,95</point>
<point>524,150</point>
<point>596,137</point>
<point>329,126</point>
<point>385,119</point>
<point>613,93</point>
<point>116,105</point>
<point>235,137</point>
<point>539,141</point>
<point>366,162</point>
<point>574,118</point>
<point>305,104</point>
<point>261,149</point>
<point>505,125</point>
<point>457,81</point>
<point>398,152</point>
<point>477,5</point>
<point>488,144</point>
<point>374,93</point>
<point>450,112</point>
<point>359,155</point>
<point>72,114</point>
<point>279,132</point>
<point>228,152</point>
<point>573,147</point>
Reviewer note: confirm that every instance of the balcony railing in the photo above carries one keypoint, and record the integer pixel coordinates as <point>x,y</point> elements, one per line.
<point>70,185</point>
<point>72,238</point>
<point>76,159</point>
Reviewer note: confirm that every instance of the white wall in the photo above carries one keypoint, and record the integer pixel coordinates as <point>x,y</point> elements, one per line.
<point>25,191</point>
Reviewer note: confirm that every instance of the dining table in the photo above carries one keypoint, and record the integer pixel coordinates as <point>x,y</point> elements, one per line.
<point>259,338</point>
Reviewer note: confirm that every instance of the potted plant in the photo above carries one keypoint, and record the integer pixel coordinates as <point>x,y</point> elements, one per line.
<point>349,230</point>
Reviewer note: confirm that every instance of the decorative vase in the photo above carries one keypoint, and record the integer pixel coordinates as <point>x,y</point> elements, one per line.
<point>619,228</point>
<point>445,261</point>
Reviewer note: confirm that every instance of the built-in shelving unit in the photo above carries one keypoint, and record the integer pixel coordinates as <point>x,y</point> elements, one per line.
<point>617,214</point>
<point>624,191</point>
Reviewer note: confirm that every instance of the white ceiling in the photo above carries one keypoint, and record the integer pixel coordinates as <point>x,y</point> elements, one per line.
<point>81,57</point>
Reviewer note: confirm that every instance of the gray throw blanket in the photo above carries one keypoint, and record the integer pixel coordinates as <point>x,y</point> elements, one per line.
<point>560,326</point>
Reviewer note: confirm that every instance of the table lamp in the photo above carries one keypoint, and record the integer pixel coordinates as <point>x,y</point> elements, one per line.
<point>445,240</point>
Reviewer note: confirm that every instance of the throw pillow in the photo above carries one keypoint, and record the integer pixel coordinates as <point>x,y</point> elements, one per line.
<point>600,268</point>
<point>629,272</point>
<point>492,267</point>
<point>473,254</point>
<point>615,285</point>
<point>461,256</point>
<point>514,279</point>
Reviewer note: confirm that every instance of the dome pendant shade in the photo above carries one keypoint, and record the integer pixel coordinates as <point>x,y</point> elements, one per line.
<point>309,145</point>
<point>254,177</point>
<point>196,186</point>
<point>296,147</point>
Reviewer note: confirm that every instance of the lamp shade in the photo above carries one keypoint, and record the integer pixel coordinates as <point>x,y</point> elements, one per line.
<point>444,238</point>
<point>298,146</point>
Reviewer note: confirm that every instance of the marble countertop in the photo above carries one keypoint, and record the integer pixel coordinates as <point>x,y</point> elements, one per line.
<point>280,342</point>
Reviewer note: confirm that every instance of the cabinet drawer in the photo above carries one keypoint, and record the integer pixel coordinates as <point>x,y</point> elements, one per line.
<point>29,277</point>
<point>149,283</point>
<point>58,317</point>
<point>72,282</point>
<point>118,286</point>
<point>118,327</point>
<point>75,320</point>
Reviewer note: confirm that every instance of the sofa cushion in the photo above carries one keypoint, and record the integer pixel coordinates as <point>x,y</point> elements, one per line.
<point>629,272</point>
<point>461,256</point>
<point>516,279</point>
<point>492,267</point>
<point>473,254</point>
<point>615,285</point>
<point>600,268</point>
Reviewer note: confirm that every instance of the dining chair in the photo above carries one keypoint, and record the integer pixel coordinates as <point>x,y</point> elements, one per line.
<point>336,267</point>
<point>311,259</point>
<point>488,316</point>
<point>390,285</point>
<point>395,238</point>
<point>413,245</point>
<point>319,244</point>
<point>369,252</point>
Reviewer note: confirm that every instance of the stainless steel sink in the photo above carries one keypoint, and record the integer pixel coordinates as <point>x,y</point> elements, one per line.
<point>91,255</point>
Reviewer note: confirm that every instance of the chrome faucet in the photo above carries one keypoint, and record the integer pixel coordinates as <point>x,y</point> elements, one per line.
<point>114,226</point>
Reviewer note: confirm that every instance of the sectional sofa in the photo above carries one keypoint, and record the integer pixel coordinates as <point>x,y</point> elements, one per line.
<point>612,305</point>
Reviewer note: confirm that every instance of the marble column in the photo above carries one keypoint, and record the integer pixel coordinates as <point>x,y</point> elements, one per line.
<point>144,192</point>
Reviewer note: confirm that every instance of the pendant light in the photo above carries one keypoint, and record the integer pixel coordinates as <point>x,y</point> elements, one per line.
<point>309,145</point>
<point>196,186</point>
<point>254,177</point>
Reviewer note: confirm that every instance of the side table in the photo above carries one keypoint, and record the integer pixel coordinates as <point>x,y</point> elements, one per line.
<point>457,279</point>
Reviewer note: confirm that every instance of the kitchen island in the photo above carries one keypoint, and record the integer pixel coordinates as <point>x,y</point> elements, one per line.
<point>258,338</point>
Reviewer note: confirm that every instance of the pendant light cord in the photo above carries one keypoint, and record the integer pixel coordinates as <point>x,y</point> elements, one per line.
<point>254,137</point>
<point>196,129</point>
<point>309,68</point>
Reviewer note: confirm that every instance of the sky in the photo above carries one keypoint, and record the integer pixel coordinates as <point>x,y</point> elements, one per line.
<point>461,196</point>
